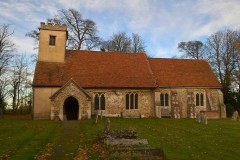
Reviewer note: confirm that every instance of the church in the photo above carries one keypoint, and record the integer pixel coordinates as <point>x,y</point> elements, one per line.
<point>76,84</point>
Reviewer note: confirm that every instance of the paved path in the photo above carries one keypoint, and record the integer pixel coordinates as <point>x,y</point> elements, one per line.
<point>66,141</point>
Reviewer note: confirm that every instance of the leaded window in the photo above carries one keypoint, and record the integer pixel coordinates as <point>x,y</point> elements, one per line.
<point>99,101</point>
<point>199,99</point>
<point>131,101</point>
<point>164,99</point>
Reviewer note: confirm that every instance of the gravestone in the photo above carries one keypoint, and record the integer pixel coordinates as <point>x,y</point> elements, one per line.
<point>235,116</point>
<point>202,118</point>
<point>96,116</point>
<point>97,112</point>
<point>198,118</point>
<point>107,126</point>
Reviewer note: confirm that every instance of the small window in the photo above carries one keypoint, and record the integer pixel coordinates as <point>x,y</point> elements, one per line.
<point>102,107</point>
<point>96,102</point>
<point>127,101</point>
<point>164,99</point>
<point>52,40</point>
<point>131,101</point>
<point>99,101</point>
<point>199,99</point>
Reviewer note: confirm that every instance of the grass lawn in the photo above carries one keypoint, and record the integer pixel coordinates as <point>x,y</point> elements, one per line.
<point>22,138</point>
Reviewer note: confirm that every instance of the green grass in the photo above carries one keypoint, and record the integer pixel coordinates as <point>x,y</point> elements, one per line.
<point>180,139</point>
<point>24,138</point>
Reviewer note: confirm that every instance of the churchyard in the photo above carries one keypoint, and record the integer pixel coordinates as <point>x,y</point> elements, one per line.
<point>180,139</point>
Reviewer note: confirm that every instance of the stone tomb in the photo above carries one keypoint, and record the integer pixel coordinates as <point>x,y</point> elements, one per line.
<point>127,144</point>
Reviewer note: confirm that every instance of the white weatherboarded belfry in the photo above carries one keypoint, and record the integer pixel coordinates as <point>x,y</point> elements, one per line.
<point>74,84</point>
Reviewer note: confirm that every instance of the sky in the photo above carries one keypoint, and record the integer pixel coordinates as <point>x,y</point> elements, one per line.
<point>161,23</point>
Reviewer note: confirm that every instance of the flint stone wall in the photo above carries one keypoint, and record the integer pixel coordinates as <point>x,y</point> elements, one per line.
<point>115,103</point>
<point>184,100</point>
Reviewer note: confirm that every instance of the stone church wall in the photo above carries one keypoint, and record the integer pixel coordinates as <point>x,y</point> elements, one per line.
<point>182,102</point>
<point>115,103</point>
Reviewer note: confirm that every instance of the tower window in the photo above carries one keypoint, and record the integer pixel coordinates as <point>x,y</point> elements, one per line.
<point>52,40</point>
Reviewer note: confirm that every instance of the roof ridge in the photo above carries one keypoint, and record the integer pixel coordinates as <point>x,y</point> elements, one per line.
<point>103,52</point>
<point>180,59</point>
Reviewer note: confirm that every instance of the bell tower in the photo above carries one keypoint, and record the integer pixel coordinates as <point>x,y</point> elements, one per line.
<point>52,42</point>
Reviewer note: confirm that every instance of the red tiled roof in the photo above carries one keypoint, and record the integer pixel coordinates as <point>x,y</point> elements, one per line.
<point>183,73</point>
<point>96,69</point>
<point>124,70</point>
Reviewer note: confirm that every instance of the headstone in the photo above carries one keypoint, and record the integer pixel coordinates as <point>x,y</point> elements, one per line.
<point>107,126</point>
<point>198,118</point>
<point>235,116</point>
<point>205,120</point>
<point>96,116</point>
<point>202,118</point>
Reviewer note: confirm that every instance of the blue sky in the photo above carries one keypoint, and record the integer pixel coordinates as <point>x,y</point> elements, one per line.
<point>161,23</point>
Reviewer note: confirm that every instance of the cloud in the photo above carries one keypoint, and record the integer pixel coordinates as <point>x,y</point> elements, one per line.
<point>24,16</point>
<point>24,45</point>
<point>221,14</point>
<point>162,24</point>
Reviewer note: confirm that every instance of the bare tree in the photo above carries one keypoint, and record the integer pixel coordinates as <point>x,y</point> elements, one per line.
<point>236,78</point>
<point>137,44</point>
<point>35,35</point>
<point>82,33</point>
<point>3,93</point>
<point>19,81</point>
<point>6,47</point>
<point>120,42</point>
<point>6,53</point>
<point>192,49</point>
<point>224,57</point>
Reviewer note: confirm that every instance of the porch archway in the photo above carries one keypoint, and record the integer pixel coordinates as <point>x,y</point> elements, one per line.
<point>71,108</point>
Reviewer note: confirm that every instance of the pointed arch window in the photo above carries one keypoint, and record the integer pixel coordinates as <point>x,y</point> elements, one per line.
<point>164,99</point>
<point>199,99</point>
<point>99,101</point>
<point>131,101</point>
